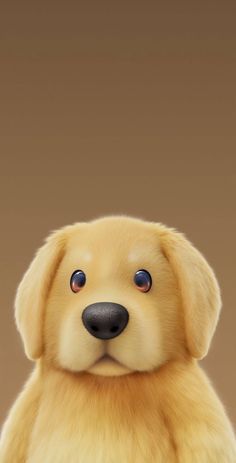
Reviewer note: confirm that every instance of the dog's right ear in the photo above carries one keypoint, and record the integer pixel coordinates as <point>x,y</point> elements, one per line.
<point>33,290</point>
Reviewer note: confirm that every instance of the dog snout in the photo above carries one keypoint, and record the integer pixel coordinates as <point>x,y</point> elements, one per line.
<point>105,320</point>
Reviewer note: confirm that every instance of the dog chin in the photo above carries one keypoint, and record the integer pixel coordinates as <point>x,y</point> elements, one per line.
<point>107,366</point>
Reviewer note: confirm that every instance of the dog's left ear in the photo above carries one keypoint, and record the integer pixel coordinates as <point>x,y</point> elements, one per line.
<point>33,290</point>
<point>199,289</point>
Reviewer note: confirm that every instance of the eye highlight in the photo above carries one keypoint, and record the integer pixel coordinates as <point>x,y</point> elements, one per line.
<point>77,280</point>
<point>143,280</point>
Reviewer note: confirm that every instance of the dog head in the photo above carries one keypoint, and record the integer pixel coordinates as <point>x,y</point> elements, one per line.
<point>117,295</point>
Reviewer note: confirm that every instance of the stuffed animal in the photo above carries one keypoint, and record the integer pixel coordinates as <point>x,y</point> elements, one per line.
<point>116,313</point>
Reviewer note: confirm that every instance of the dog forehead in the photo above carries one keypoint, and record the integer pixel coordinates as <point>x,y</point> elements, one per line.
<point>129,238</point>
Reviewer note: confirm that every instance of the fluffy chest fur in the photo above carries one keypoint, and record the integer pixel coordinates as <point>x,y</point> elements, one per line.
<point>86,419</point>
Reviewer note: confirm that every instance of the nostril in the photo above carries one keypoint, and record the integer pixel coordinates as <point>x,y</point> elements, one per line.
<point>94,328</point>
<point>114,329</point>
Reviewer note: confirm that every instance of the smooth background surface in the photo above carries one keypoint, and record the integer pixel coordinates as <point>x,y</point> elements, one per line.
<point>117,107</point>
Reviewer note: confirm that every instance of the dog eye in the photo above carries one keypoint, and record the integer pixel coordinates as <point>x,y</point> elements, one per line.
<point>77,280</point>
<point>143,280</point>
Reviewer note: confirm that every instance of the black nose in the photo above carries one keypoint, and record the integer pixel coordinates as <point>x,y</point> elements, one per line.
<point>105,320</point>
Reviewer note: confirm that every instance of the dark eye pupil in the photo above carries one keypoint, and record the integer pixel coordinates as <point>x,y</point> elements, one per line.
<point>143,280</point>
<point>77,281</point>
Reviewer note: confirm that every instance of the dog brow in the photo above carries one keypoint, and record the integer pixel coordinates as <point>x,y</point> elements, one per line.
<point>140,251</point>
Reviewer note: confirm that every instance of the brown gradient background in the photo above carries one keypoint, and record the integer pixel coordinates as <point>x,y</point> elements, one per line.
<point>118,107</point>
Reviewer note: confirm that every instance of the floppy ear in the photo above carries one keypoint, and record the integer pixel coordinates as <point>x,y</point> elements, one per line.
<point>200,292</point>
<point>33,290</point>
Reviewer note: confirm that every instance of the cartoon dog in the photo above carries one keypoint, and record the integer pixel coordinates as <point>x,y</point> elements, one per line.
<point>116,312</point>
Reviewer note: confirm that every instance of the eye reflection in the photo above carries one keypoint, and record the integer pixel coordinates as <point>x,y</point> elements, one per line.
<point>143,280</point>
<point>77,280</point>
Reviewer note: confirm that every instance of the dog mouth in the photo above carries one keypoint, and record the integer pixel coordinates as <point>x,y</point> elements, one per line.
<point>107,365</point>
<point>106,359</point>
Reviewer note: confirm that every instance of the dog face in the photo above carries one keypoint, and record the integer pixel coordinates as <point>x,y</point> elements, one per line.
<point>117,295</point>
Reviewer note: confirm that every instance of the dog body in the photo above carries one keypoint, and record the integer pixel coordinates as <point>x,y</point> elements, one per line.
<point>138,393</point>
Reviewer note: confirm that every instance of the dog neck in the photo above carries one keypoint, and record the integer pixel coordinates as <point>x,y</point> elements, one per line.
<point>137,389</point>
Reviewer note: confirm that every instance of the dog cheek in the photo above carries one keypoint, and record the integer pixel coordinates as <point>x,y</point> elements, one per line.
<point>76,348</point>
<point>141,347</point>
<point>155,353</point>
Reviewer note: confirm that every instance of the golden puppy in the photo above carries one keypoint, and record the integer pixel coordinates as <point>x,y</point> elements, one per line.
<point>115,313</point>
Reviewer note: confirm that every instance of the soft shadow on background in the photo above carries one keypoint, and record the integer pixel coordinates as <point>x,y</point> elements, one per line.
<point>118,107</point>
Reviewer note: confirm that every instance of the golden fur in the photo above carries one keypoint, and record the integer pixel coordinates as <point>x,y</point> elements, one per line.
<point>152,403</point>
